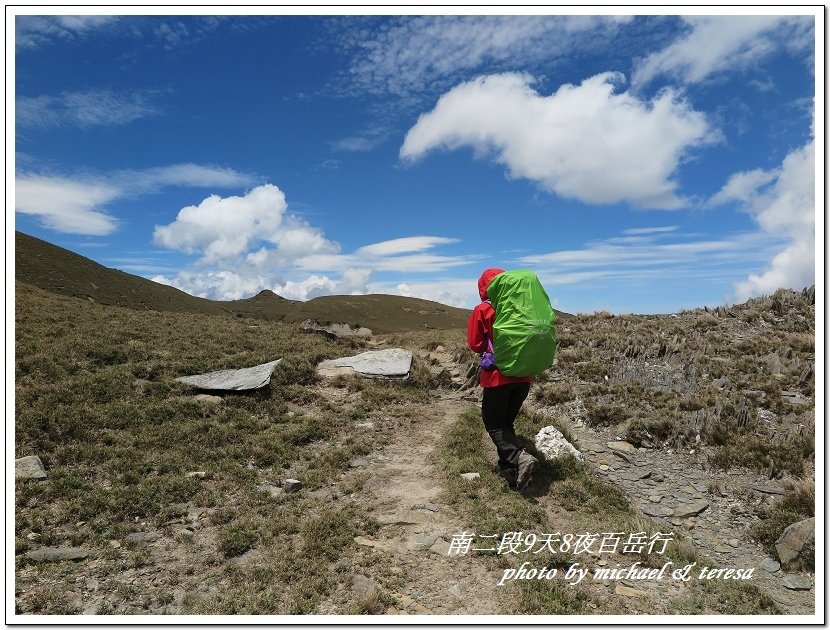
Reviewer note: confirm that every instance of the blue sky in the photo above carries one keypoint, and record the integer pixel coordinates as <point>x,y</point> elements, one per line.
<point>637,163</point>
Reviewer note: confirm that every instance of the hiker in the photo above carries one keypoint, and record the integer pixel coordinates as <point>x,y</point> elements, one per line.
<point>503,395</point>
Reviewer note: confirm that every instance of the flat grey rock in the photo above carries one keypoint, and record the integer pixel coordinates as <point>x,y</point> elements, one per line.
<point>770,565</point>
<point>336,330</point>
<point>470,476</point>
<point>394,363</point>
<point>143,536</point>
<point>56,554</point>
<point>797,583</point>
<point>656,510</point>
<point>233,380</point>
<point>622,447</point>
<point>691,509</point>
<point>552,444</point>
<point>767,489</point>
<point>29,467</point>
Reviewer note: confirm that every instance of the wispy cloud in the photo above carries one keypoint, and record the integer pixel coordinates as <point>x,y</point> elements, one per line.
<point>65,205</point>
<point>408,56</point>
<point>587,142</point>
<point>654,256</point>
<point>78,204</point>
<point>169,32</point>
<point>714,44</point>
<point>92,108</point>
<point>32,31</point>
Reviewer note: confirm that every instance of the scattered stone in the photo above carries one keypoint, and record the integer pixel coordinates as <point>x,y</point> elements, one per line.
<point>604,468</point>
<point>412,518</point>
<point>656,510</point>
<point>275,491</point>
<point>455,590</point>
<point>142,537</point>
<point>794,538</point>
<point>441,547</point>
<point>627,591</point>
<point>658,477</point>
<point>470,476</point>
<point>552,444</point>
<point>363,586</point>
<point>29,467</point>
<point>423,541</point>
<point>767,489</point>
<point>245,558</point>
<point>323,494</point>
<point>360,462</point>
<point>797,583</point>
<point>368,542</point>
<point>795,398</point>
<point>208,399</point>
<point>195,513</point>
<point>733,542</point>
<point>622,447</point>
<point>291,485</point>
<point>198,474</point>
<point>770,565</point>
<point>691,509</point>
<point>393,363</point>
<point>233,380</point>
<point>365,425</point>
<point>656,498</point>
<point>57,554</point>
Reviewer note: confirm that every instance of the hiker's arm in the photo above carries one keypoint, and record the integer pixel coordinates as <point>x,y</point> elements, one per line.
<point>477,330</point>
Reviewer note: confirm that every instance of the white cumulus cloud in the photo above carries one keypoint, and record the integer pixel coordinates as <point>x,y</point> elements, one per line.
<point>782,201</point>
<point>585,142</point>
<point>723,43</point>
<point>226,228</point>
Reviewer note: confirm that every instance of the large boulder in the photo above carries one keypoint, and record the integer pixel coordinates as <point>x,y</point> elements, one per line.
<point>552,444</point>
<point>335,330</point>
<point>390,363</point>
<point>233,380</point>
<point>794,539</point>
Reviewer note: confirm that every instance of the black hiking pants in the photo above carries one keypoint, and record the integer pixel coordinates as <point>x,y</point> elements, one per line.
<point>499,408</point>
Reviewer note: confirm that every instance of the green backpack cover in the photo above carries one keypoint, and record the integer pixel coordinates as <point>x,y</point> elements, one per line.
<point>524,338</point>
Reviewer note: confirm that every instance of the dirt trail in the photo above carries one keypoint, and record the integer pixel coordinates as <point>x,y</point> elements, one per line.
<point>408,555</point>
<point>404,494</point>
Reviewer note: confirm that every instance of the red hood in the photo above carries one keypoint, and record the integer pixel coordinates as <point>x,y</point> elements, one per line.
<point>484,281</point>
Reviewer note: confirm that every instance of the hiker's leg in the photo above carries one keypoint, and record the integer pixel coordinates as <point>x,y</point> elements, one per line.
<point>518,394</point>
<point>495,407</point>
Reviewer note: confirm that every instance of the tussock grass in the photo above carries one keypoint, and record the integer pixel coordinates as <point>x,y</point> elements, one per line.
<point>97,401</point>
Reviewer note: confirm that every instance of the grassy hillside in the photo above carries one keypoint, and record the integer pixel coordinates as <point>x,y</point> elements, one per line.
<point>58,270</point>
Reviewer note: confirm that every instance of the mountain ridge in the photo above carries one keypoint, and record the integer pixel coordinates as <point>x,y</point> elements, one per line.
<point>59,270</point>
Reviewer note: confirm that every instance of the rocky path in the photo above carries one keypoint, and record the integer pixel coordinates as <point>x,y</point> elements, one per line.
<point>408,555</point>
<point>715,510</point>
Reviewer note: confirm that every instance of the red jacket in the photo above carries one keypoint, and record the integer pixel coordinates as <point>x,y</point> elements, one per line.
<point>480,328</point>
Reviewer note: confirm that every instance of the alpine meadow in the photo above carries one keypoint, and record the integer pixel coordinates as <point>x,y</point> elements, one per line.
<point>430,314</point>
